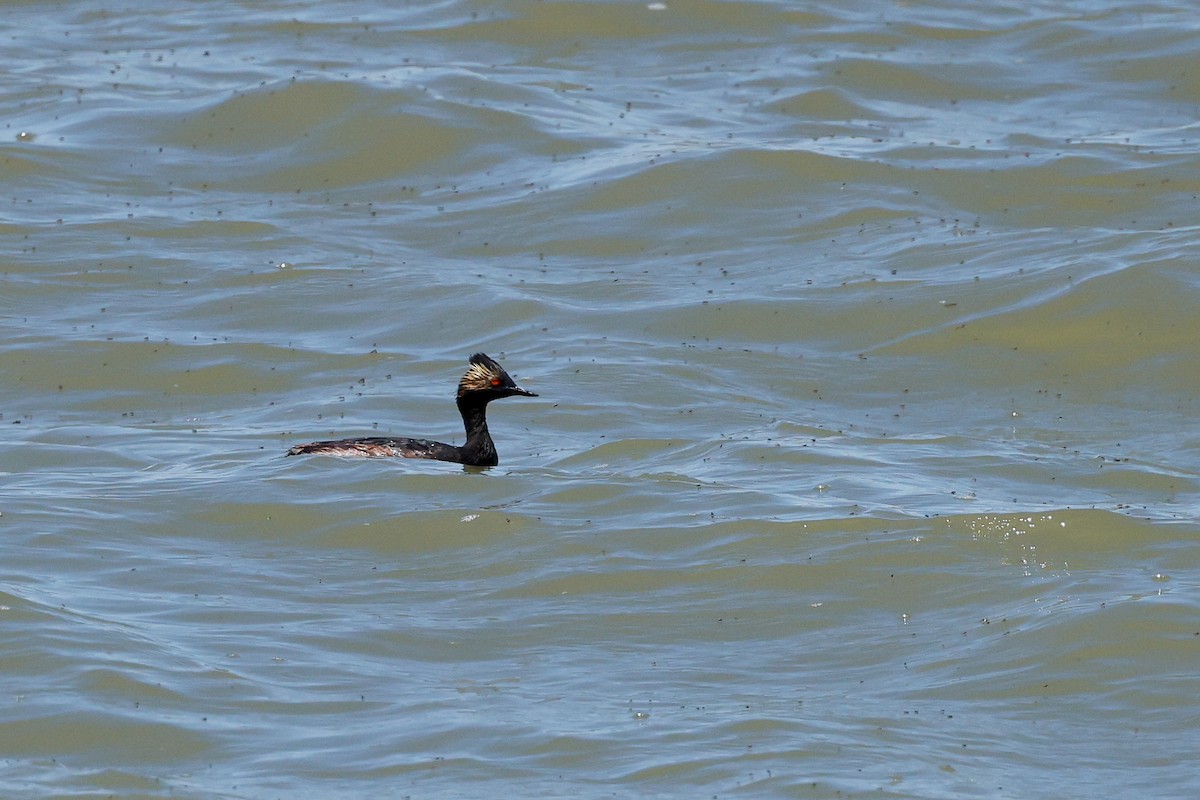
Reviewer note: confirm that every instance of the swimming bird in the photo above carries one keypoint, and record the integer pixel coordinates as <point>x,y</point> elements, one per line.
<point>484,382</point>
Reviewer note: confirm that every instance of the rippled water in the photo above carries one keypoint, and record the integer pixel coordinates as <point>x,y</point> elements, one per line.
<point>864,462</point>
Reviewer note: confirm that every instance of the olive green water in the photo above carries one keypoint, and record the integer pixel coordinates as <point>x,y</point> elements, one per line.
<point>865,459</point>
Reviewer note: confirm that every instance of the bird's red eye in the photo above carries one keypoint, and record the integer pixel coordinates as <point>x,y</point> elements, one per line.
<point>495,381</point>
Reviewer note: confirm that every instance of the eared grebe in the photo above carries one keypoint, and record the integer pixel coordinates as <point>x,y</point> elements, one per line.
<point>484,382</point>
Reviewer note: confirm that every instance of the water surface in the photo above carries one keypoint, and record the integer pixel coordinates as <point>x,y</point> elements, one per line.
<point>864,462</point>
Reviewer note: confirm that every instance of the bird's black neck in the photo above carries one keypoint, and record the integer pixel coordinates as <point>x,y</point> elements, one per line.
<point>478,449</point>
